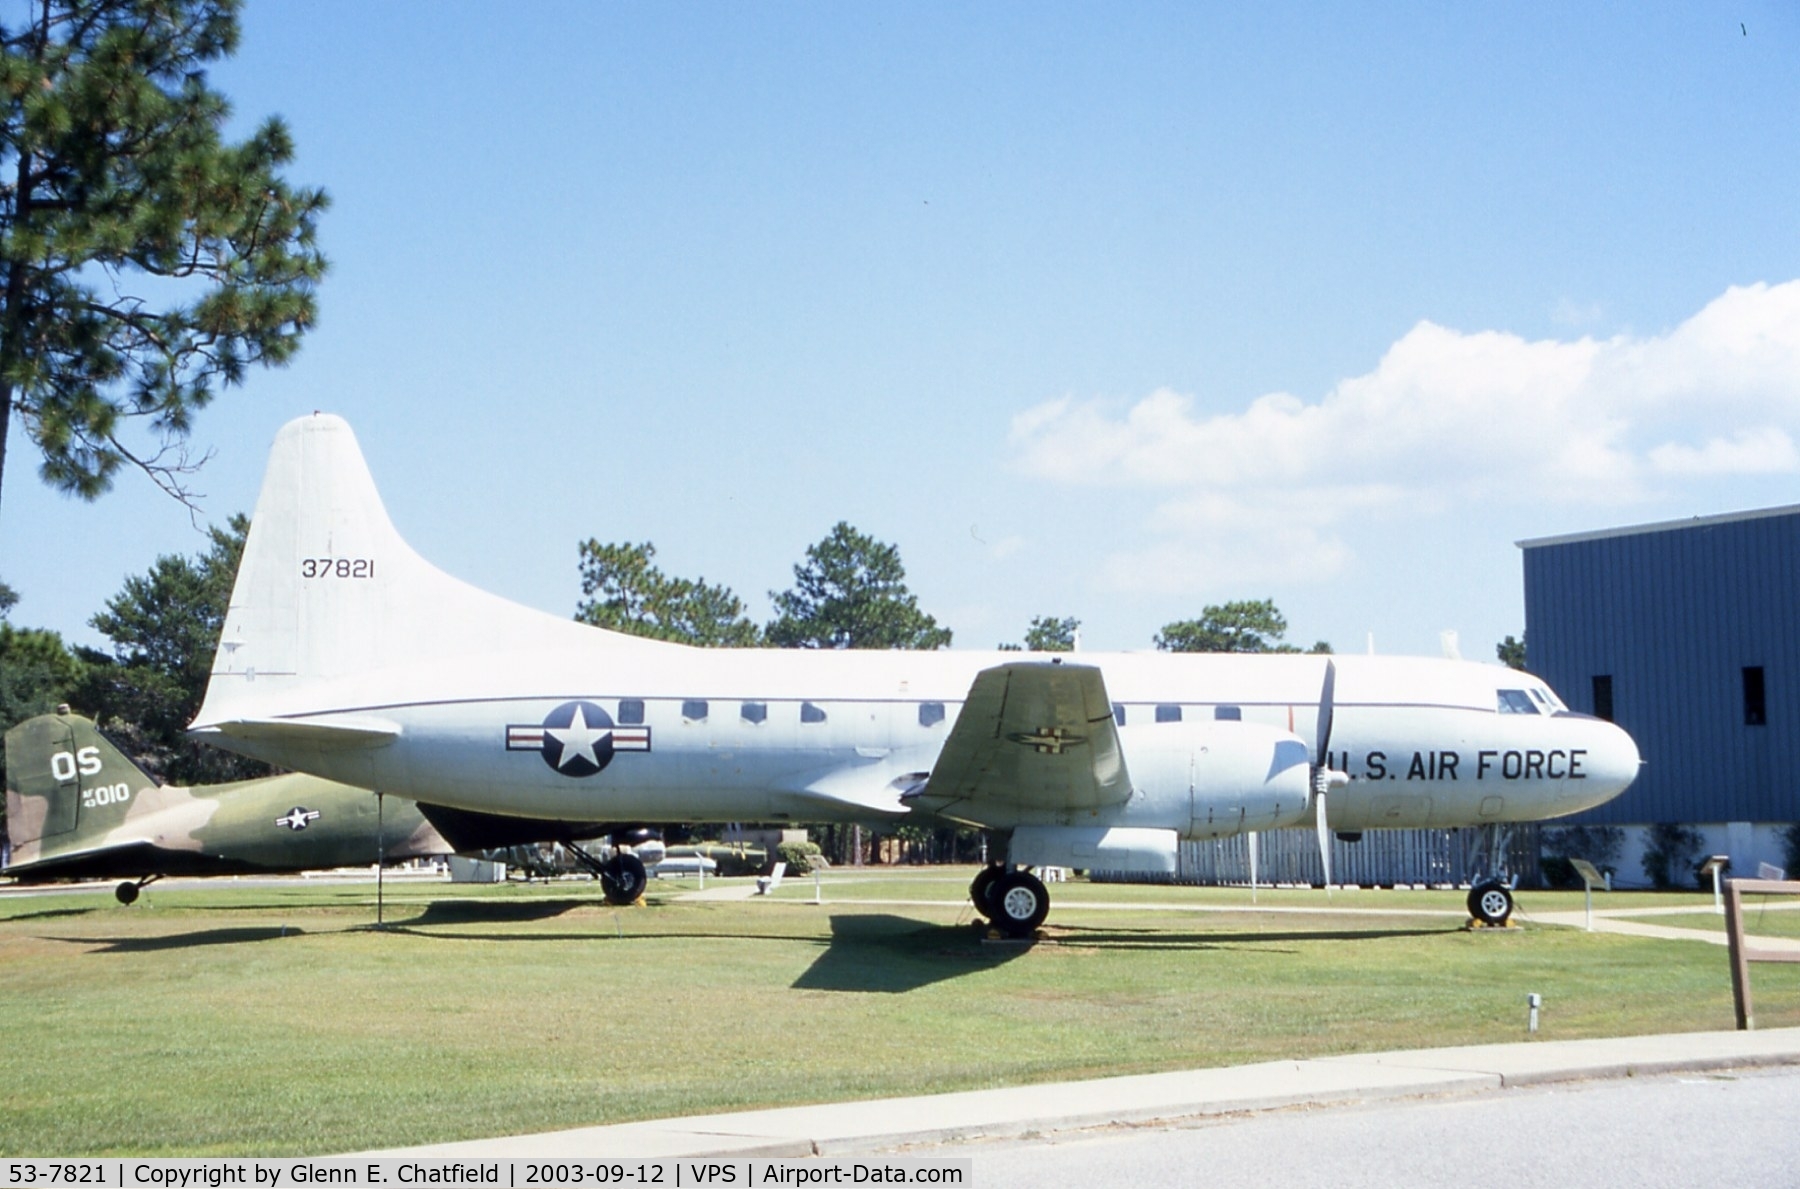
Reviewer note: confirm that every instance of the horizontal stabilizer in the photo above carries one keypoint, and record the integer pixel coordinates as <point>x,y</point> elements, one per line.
<point>331,736</point>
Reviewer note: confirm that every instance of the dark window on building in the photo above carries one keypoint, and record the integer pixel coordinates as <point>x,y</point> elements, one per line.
<point>753,711</point>
<point>631,711</point>
<point>1756,705</point>
<point>1168,713</point>
<point>694,710</point>
<point>1119,713</point>
<point>811,713</point>
<point>1603,697</point>
<point>931,713</point>
<point>1228,714</point>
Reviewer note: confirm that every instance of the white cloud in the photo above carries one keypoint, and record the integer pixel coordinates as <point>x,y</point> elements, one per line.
<point>1447,419</point>
<point>1765,451</point>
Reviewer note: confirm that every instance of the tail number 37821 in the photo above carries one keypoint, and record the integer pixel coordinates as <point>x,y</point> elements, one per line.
<point>337,567</point>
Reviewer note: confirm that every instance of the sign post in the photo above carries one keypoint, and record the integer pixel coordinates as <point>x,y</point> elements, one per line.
<point>1589,877</point>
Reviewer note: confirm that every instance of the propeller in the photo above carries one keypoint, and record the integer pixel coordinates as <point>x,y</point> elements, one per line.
<point>1324,779</point>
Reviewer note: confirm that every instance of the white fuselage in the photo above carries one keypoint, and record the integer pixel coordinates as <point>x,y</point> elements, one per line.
<point>758,734</point>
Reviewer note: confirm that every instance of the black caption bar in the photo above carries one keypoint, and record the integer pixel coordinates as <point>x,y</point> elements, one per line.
<point>688,1173</point>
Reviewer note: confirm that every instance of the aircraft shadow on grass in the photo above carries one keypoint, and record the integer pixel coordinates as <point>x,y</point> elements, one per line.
<point>490,912</point>
<point>1162,939</point>
<point>182,941</point>
<point>49,913</point>
<point>893,954</point>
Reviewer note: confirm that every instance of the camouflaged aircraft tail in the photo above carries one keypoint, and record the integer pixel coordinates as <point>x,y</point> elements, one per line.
<point>66,786</point>
<point>328,593</point>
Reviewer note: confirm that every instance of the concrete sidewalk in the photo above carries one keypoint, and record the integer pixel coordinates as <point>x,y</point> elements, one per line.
<point>1627,924</point>
<point>842,1128</point>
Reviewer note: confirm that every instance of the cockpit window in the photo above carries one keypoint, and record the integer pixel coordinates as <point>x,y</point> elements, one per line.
<point>1515,701</point>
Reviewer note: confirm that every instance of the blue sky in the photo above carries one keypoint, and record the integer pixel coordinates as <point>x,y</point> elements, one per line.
<point>1093,311</point>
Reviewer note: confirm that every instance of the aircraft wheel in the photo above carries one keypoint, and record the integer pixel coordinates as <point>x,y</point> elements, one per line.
<point>983,887</point>
<point>1019,902</point>
<point>127,892</point>
<point>1490,902</point>
<point>623,879</point>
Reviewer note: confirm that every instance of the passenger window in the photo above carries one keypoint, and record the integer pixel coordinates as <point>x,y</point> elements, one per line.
<point>931,713</point>
<point>1514,701</point>
<point>1228,714</point>
<point>631,712</point>
<point>694,710</point>
<point>811,713</point>
<point>754,711</point>
<point>1119,713</point>
<point>1168,713</point>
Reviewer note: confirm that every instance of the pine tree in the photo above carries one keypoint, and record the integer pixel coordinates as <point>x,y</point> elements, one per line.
<point>851,593</point>
<point>628,593</point>
<point>144,260</point>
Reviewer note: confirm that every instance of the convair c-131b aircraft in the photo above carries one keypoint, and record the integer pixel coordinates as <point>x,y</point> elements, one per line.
<point>347,655</point>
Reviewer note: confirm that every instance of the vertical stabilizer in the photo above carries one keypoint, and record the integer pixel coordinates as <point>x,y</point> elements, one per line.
<point>328,590</point>
<point>66,786</point>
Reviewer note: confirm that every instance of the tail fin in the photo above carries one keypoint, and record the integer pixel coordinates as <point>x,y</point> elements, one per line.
<point>327,590</point>
<point>66,786</point>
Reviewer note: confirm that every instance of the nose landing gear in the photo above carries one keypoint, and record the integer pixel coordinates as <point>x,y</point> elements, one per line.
<point>1491,903</point>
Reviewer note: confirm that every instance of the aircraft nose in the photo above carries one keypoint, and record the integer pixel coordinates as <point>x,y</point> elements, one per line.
<point>1612,760</point>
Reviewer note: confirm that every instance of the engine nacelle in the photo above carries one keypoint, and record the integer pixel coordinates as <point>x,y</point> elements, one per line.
<point>1101,848</point>
<point>1215,779</point>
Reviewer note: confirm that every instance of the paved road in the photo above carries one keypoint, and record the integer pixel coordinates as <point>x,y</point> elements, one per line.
<point>1682,1131</point>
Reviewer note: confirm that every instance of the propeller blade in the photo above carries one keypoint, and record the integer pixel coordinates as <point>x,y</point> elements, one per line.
<point>1327,698</point>
<point>1323,777</point>
<point>1251,842</point>
<point>1324,834</point>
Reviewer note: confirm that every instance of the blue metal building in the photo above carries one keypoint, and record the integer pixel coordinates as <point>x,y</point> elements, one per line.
<point>1687,634</point>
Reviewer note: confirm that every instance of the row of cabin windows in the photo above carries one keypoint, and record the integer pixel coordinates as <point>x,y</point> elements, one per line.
<point>631,712</point>
<point>1171,712</point>
<point>1756,697</point>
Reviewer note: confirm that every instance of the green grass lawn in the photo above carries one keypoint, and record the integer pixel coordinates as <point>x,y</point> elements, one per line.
<point>272,1020</point>
<point>1757,920</point>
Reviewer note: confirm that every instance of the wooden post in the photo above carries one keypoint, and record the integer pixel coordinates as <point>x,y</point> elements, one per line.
<point>1740,962</point>
<point>1741,954</point>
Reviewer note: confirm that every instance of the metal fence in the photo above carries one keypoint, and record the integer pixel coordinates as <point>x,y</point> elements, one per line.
<point>1379,858</point>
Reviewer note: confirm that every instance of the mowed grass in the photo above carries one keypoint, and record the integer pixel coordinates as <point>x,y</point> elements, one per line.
<point>272,1020</point>
<point>1759,918</point>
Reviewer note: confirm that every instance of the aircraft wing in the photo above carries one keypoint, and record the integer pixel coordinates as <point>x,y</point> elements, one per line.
<point>1039,735</point>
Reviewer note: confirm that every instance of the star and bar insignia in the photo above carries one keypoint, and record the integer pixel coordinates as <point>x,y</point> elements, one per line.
<point>297,818</point>
<point>577,738</point>
<point>1049,741</point>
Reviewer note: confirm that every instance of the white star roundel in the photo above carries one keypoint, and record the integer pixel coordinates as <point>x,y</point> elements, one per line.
<point>577,738</point>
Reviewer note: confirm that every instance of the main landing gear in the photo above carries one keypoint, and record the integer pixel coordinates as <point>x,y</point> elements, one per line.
<point>1490,902</point>
<point>623,876</point>
<point>1013,901</point>
<point>127,892</point>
